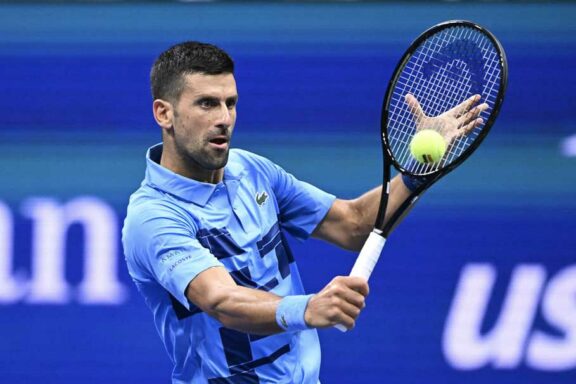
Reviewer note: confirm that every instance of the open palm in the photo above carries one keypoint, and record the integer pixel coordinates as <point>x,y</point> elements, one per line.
<point>456,122</point>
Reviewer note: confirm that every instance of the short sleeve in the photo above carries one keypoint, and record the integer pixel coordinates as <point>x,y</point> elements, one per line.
<point>302,205</point>
<point>161,242</point>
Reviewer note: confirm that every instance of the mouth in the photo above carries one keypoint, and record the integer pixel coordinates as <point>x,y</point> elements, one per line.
<point>219,142</point>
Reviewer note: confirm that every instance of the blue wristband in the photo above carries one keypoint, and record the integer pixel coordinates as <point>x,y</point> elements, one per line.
<point>413,183</point>
<point>290,313</point>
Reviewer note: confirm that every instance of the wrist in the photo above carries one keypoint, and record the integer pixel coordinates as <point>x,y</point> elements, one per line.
<point>290,313</point>
<point>413,183</point>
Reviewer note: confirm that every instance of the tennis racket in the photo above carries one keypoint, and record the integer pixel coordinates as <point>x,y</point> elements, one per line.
<point>452,80</point>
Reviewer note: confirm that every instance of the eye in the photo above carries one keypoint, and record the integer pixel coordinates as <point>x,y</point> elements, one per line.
<point>207,103</point>
<point>231,103</point>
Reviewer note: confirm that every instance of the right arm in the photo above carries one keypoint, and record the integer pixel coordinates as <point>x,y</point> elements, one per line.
<point>254,311</point>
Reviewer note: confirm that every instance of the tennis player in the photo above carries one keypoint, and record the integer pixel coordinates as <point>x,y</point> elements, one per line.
<point>204,237</point>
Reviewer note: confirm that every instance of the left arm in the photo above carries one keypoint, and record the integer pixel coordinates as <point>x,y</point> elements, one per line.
<point>349,222</point>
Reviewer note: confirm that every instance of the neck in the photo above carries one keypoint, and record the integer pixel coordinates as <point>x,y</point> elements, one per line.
<point>189,168</point>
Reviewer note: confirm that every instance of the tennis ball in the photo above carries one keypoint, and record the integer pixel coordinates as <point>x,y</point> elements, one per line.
<point>427,146</point>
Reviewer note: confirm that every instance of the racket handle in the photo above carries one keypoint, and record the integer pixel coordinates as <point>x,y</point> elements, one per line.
<point>340,327</point>
<point>367,260</point>
<point>369,255</point>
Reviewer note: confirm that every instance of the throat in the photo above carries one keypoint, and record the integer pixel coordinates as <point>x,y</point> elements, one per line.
<point>214,177</point>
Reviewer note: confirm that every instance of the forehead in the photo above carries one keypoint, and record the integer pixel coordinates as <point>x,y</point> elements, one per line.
<point>223,85</point>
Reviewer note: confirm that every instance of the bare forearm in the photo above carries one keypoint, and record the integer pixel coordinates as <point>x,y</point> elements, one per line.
<point>236,307</point>
<point>247,310</point>
<point>364,209</point>
<point>367,205</point>
<point>254,311</point>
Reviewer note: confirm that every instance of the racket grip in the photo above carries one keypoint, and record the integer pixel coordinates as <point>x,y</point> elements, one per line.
<point>368,256</point>
<point>367,260</point>
<point>340,327</point>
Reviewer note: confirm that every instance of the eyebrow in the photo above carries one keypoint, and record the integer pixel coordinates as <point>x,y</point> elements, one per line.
<point>206,96</point>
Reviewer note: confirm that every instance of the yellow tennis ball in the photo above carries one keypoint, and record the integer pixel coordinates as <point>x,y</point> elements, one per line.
<point>427,146</point>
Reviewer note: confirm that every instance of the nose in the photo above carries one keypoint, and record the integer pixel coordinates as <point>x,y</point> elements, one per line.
<point>225,119</point>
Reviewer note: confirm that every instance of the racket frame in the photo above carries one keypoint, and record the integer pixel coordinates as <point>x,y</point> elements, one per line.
<point>372,249</point>
<point>433,176</point>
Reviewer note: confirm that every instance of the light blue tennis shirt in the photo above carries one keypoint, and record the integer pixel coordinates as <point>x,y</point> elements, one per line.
<point>177,227</point>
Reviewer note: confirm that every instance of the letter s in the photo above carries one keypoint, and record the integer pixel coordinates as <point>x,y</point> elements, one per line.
<point>554,353</point>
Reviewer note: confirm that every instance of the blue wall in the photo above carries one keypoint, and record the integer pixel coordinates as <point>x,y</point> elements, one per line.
<point>76,121</point>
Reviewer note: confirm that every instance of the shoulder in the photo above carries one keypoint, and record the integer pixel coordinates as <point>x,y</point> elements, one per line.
<point>149,208</point>
<point>252,163</point>
<point>247,158</point>
<point>147,201</point>
<point>152,222</point>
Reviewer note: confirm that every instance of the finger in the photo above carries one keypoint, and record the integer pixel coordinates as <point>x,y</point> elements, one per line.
<point>465,130</point>
<point>358,284</point>
<point>472,114</point>
<point>345,314</point>
<point>350,310</point>
<point>415,107</point>
<point>346,321</point>
<point>353,298</point>
<point>465,106</point>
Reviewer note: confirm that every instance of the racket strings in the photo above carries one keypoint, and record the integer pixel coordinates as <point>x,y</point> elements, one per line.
<point>443,72</point>
<point>441,91</point>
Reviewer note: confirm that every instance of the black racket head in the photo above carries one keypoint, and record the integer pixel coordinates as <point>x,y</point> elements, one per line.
<point>445,66</point>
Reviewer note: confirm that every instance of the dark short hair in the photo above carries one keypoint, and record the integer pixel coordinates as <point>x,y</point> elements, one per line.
<point>167,74</point>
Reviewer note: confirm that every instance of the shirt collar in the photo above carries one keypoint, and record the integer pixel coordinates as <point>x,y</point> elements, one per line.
<point>190,190</point>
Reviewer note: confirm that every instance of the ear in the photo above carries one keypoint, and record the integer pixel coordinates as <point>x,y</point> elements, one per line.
<point>163,113</point>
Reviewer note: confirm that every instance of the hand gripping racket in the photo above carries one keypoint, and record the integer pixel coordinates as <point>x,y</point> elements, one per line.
<point>451,80</point>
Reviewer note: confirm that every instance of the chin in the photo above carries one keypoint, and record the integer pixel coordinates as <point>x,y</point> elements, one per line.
<point>216,163</point>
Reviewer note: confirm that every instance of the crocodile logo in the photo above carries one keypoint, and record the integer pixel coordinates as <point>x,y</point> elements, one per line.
<point>261,198</point>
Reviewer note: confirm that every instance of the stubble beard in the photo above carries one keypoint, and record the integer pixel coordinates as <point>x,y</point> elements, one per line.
<point>213,162</point>
<point>206,158</point>
<point>200,156</point>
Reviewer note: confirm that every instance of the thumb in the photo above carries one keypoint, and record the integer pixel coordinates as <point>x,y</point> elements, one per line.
<point>415,107</point>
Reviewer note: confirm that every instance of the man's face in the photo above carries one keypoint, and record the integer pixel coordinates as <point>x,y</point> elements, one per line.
<point>204,119</point>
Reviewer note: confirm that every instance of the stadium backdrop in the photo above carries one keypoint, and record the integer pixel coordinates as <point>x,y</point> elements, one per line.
<point>478,284</point>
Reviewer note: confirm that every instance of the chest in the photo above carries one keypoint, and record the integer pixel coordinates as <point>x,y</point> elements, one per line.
<point>239,226</point>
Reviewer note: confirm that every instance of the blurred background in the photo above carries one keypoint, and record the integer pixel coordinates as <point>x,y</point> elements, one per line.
<point>477,285</point>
